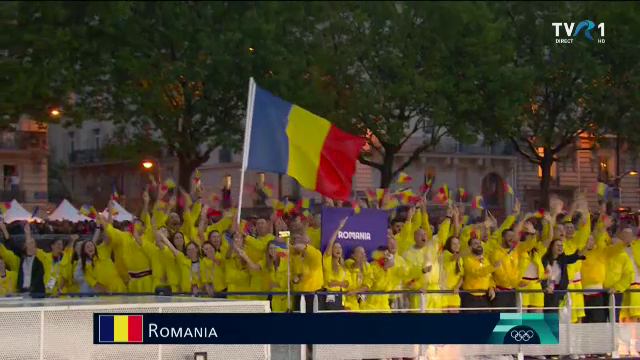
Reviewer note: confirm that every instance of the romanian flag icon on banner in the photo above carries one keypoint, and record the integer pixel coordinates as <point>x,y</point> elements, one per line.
<point>284,138</point>
<point>404,179</point>
<point>478,202</point>
<point>120,328</point>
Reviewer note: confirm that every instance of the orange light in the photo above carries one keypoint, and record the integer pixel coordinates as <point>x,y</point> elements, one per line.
<point>633,173</point>
<point>55,112</point>
<point>147,164</point>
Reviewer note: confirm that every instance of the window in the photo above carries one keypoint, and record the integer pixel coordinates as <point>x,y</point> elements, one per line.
<point>226,192</point>
<point>554,167</point>
<point>72,142</point>
<point>96,135</point>
<point>224,155</point>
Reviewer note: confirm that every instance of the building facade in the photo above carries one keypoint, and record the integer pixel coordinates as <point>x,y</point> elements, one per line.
<point>23,155</point>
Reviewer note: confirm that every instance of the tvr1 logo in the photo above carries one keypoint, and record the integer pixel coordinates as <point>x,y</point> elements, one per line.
<point>585,27</point>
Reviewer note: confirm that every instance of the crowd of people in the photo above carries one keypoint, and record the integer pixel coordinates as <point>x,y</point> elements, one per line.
<point>478,265</point>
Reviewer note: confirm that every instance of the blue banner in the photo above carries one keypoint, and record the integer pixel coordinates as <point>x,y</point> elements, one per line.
<point>332,328</point>
<point>367,229</point>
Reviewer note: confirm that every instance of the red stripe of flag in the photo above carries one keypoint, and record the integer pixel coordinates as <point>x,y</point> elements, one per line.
<point>135,328</point>
<point>338,164</point>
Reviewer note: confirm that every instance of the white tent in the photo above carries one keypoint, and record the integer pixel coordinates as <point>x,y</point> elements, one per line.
<point>122,214</point>
<point>18,213</point>
<point>66,211</point>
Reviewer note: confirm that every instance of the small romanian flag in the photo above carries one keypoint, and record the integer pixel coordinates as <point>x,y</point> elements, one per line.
<point>4,207</point>
<point>356,206</point>
<point>304,204</point>
<point>169,183</point>
<point>404,179</point>
<point>114,194</point>
<point>197,177</point>
<point>268,190</point>
<point>120,328</point>
<point>508,189</point>
<point>478,202</point>
<point>601,189</point>
<point>380,193</point>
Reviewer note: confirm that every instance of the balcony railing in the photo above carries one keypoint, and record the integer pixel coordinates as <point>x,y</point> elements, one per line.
<point>23,140</point>
<point>90,156</point>
<point>476,149</point>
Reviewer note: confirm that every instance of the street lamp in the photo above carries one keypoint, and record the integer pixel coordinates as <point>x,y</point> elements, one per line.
<point>55,112</point>
<point>147,164</point>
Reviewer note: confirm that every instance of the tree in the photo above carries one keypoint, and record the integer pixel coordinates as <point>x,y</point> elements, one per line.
<point>565,84</point>
<point>389,70</point>
<point>174,74</point>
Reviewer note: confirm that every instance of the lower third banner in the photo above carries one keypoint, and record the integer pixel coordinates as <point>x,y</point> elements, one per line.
<point>334,328</point>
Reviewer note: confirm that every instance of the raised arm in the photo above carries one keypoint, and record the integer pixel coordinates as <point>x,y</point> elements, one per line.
<point>328,250</point>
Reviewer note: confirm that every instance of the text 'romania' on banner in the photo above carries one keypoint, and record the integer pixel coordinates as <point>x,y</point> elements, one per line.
<point>287,139</point>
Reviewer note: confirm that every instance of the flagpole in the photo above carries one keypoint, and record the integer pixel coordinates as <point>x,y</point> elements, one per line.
<point>247,140</point>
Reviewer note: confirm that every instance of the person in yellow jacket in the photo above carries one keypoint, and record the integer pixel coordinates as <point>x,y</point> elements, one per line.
<point>336,275</point>
<point>136,260</point>
<point>385,274</point>
<point>213,266</point>
<point>306,270</point>
<point>314,231</point>
<point>361,278</point>
<point>99,271</point>
<point>54,266</point>
<point>477,280</point>
<point>276,266</point>
<point>191,274</point>
<point>8,281</point>
<point>237,270</point>
<point>631,300</point>
<point>256,247</point>
<point>507,277</point>
<point>452,272</point>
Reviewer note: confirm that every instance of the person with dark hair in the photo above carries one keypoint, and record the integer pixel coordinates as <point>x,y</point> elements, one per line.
<point>29,268</point>
<point>555,262</point>
<point>477,277</point>
<point>452,267</point>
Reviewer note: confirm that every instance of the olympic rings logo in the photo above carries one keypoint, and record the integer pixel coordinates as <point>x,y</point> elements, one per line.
<point>521,335</point>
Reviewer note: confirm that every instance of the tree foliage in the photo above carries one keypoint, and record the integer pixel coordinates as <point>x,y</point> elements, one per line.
<point>173,73</point>
<point>570,88</point>
<point>389,70</point>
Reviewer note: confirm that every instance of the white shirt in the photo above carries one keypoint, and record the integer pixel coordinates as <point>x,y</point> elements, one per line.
<point>556,273</point>
<point>14,180</point>
<point>27,266</point>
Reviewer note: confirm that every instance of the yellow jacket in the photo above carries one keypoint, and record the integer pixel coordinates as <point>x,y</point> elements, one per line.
<point>103,271</point>
<point>215,274</point>
<point>9,283</point>
<point>308,267</point>
<point>477,274</point>
<point>507,275</point>
<point>334,275</point>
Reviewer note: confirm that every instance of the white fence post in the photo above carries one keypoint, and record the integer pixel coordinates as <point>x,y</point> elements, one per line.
<point>614,326</point>
<point>42,335</point>
<point>520,310</point>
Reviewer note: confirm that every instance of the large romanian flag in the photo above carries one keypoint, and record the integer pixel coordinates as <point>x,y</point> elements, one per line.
<point>284,138</point>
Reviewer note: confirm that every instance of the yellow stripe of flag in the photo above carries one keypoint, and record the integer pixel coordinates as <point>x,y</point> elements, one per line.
<point>120,328</point>
<point>306,133</point>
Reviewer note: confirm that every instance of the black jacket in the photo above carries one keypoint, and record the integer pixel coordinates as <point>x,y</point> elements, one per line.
<point>37,277</point>
<point>563,260</point>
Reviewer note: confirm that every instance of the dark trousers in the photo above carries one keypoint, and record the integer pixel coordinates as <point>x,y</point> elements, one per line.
<point>618,303</point>
<point>595,315</point>
<point>552,300</point>
<point>504,299</point>
<point>469,301</point>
